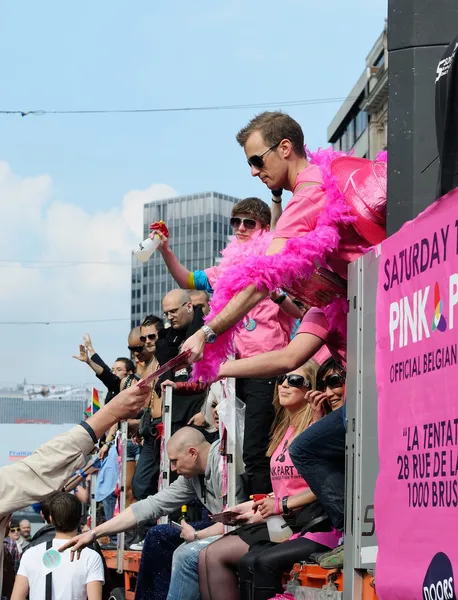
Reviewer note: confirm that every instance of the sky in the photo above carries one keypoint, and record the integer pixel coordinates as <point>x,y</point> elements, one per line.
<point>72,186</point>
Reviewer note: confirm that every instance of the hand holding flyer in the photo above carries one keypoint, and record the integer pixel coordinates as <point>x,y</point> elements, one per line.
<point>178,361</point>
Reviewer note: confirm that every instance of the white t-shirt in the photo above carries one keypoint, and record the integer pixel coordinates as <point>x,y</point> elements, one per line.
<point>69,579</point>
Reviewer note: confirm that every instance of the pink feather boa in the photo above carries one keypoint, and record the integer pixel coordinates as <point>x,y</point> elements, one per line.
<point>296,262</point>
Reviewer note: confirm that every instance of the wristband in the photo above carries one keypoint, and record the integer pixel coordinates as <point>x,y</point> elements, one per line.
<point>284,504</point>
<point>82,474</point>
<point>280,299</point>
<point>276,201</point>
<point>277,506</point>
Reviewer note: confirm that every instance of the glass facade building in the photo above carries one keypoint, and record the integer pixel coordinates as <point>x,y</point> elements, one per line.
<point>199,228</point>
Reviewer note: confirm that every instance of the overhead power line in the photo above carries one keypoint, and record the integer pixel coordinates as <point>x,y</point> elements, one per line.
<point>62,322</point>
<point>288,103</point>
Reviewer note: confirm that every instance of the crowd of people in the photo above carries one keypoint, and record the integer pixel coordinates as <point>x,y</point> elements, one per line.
<point>268,315</point>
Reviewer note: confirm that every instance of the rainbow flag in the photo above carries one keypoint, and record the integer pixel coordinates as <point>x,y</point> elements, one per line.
<point>88,412</point>
<point>95,401</point>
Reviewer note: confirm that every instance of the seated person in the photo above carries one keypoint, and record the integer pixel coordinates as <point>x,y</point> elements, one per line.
<point>317,453</point>
<point>199,468</point>
<point>261,570</point>
<point>218,563</point>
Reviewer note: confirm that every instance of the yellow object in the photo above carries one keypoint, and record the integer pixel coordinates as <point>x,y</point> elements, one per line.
<point>191,283</point>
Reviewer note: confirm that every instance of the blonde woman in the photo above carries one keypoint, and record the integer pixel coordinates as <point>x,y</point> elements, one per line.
<point>219,562</point>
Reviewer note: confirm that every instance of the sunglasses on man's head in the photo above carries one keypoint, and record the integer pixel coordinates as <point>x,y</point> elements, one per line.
<point>293,380</point>
<point>257,160</point>
<point>135,348</point>
<point>247,223</point>
<point>331,381</point>
<point>150,336</point>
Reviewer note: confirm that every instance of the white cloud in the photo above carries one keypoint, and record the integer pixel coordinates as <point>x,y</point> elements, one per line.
<point>37,226</point>
<point>133,204</point>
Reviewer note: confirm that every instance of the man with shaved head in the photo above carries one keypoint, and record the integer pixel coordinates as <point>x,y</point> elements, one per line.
<point>185,320</point>
<point>199,467</point>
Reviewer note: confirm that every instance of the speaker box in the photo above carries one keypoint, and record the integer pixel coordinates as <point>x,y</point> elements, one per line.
<point>419,32</point>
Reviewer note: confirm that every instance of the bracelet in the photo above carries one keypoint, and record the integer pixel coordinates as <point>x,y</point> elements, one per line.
<point>277,506</point>
<point>276,201</point>
<point>280,299</point>
<point>82,474</point>
<point>284,504</point>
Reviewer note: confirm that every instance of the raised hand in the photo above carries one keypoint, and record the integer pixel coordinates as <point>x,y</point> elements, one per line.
<point>83,355</point>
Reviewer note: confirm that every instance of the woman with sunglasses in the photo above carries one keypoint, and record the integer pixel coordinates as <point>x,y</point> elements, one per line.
<point>218,563</point>
<point>266,327</point>
<point>319,451</point>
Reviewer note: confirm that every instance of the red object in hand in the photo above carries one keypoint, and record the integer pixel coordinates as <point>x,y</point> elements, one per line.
<point>161,227</point>
<point>259,497</point>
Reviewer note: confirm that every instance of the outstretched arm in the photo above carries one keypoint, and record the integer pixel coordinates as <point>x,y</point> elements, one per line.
<point>179,272</point>
<point>83,356</point>
<point>125,520</point>
<point>233,312</point>
<point>278,362</point>
<point>50,466</point>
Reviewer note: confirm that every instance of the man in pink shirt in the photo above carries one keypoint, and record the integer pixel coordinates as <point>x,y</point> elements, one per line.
<point>274,146</point>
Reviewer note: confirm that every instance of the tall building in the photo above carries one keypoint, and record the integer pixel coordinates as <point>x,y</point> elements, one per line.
<point>199,227</point>
<point>361,122</point>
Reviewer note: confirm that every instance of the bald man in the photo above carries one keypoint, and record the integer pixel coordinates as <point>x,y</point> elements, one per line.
<point>185,320</point>
<point>200,298</point>
<point>191,456</point>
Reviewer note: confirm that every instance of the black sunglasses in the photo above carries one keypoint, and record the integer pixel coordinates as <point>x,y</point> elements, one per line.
<point>293,380</point>
<point>150,336</point>
<point>331,381</point>
<point>257,161</point>
<point>247,223</point>
<point>135,348</point>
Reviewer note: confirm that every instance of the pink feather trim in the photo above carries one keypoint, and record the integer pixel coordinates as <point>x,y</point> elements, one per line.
<point>297,261</point>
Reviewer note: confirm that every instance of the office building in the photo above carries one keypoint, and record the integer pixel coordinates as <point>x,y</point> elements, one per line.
<point>361,122</point>
<point>199,228</point>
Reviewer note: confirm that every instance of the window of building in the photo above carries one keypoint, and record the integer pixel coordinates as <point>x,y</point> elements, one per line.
<point>361,122</point>
<point>380,60</point>
<point>145,289</point>
<point>137,309</point>
<point>133,294</point>
<point>144,308</point>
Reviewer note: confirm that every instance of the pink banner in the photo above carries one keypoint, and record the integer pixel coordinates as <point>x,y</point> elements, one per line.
<point>416,499</point>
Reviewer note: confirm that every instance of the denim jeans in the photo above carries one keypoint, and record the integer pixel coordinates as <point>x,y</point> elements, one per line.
<point>184,584</point>
<point>109,504</point>
<point>319,455</point>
